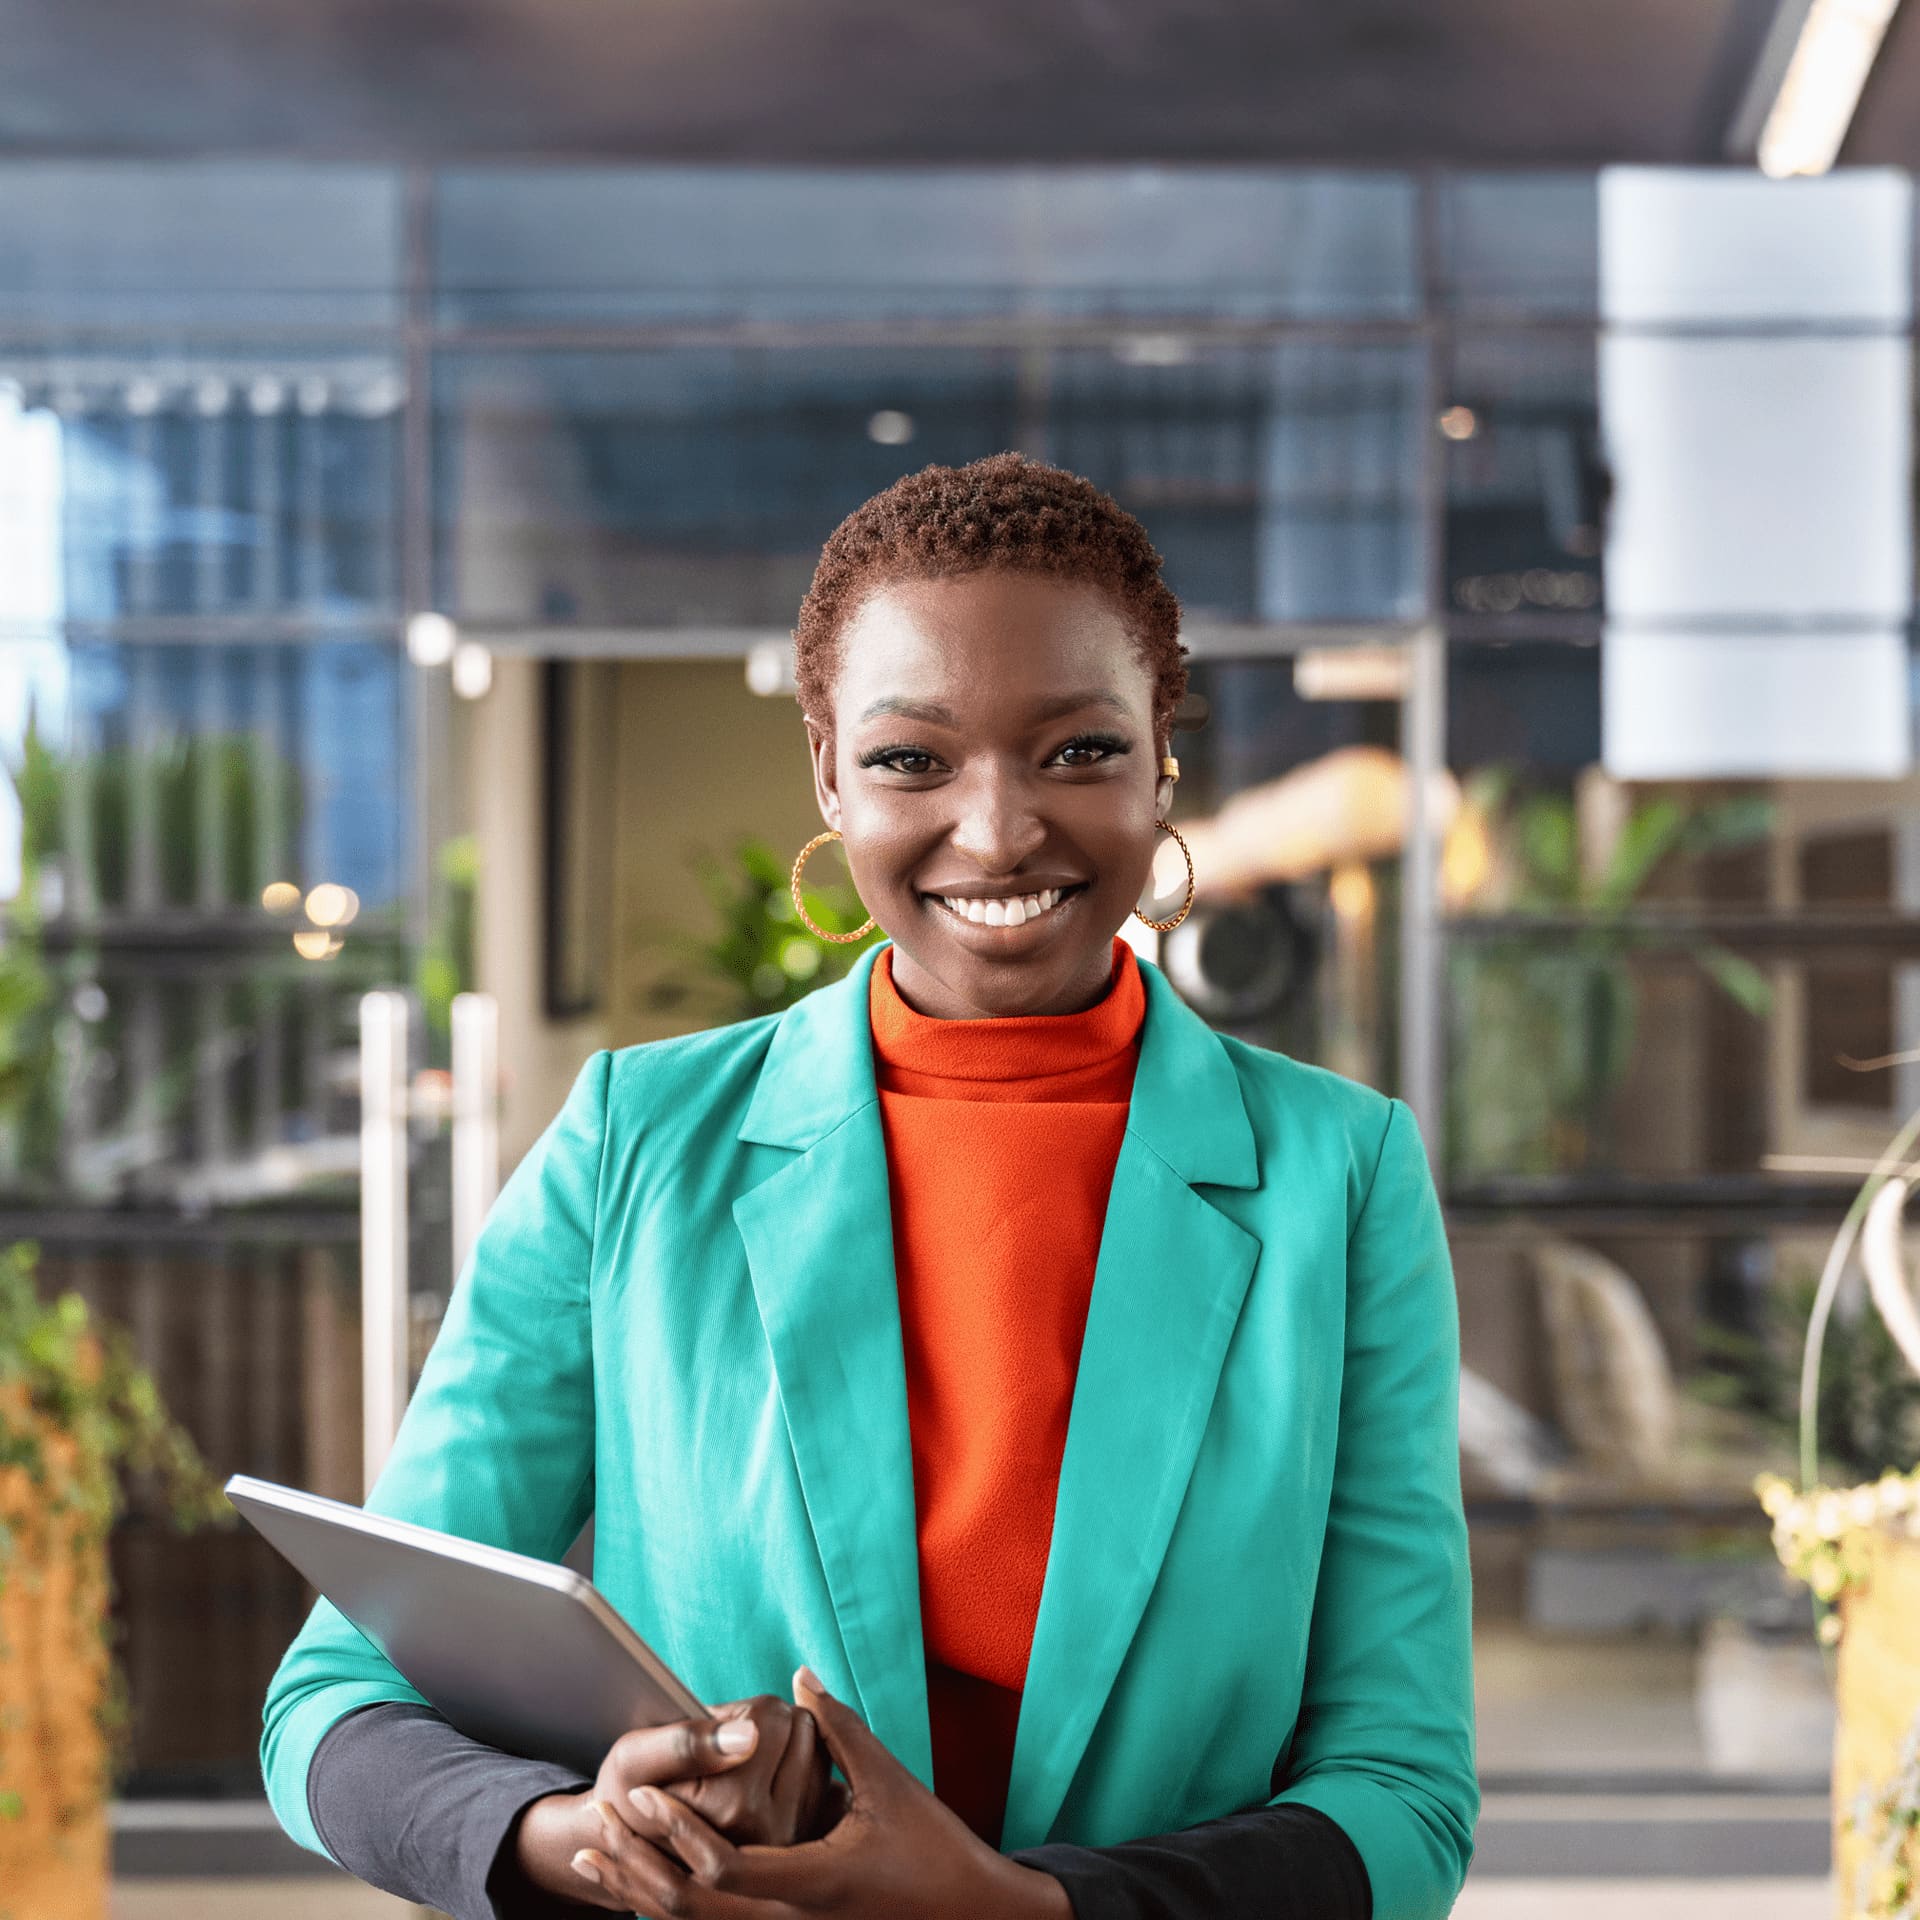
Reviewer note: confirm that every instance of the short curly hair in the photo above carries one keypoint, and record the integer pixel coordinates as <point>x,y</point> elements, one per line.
<point>1004,511</point>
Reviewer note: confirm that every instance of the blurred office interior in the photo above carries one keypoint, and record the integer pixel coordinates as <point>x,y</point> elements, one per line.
<point>408,479</point>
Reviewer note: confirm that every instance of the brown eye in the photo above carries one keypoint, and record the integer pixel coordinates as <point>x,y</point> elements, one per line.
<point>1089,751</point>
<point>903,760</point>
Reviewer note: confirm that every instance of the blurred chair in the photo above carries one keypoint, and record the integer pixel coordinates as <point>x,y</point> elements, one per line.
<point>1616,1399</point>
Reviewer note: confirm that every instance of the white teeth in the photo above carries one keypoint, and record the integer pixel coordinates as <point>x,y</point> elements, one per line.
<point>1014,912</point>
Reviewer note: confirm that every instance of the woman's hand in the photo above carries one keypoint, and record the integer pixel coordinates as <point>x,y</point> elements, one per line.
<point>755,1770</point>
<point>897,1853</point>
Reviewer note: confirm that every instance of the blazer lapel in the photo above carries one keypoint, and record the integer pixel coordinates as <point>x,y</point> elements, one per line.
<point>819,1242</point>
<point>1171,1276</point>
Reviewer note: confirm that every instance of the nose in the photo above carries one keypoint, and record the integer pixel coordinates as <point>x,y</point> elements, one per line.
<point>998,826</point>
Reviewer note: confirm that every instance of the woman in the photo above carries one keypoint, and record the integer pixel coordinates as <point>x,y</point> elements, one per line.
<point>1068,1393</point>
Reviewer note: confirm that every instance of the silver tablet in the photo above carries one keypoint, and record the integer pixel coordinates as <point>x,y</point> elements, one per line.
<point>518,1652</point>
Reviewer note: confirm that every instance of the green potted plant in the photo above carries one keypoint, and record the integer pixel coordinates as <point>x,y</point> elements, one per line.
<point>759,959</point>
<point>1548,1026</point>
<point>77,1412</point>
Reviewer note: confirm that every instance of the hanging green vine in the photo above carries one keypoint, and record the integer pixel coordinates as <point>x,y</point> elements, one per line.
<point>77,1412</point>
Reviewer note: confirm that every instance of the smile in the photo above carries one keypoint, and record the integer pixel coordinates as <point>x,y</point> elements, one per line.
<point>1015,910</point>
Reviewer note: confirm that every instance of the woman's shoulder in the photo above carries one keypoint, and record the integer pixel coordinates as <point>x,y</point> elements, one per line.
<point>702,1066</point>
<point>1294,1103</point>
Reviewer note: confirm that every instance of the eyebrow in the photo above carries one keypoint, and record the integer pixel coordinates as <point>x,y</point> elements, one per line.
<point>936,715</point>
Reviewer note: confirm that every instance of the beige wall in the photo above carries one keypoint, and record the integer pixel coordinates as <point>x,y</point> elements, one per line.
<point>538,1057</point>
<point>700,763</point>
<point>703,764</point>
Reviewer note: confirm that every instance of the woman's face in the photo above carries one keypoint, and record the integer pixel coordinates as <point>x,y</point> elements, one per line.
<point>993,743</point>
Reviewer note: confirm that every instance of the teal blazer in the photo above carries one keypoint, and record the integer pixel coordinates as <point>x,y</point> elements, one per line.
<point>680,1317</point>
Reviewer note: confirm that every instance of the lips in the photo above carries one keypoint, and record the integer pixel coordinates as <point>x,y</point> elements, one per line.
<point>1003,910</point>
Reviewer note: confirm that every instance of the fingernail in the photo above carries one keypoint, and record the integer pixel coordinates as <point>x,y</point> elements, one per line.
<point>736,1736</point>
<point>583,1865</point>
<point>607,1815</point>
<point>810,1680</point>
<point>646,1799</point>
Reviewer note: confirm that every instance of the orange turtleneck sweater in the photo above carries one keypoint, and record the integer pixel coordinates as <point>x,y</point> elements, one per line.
<point>1001,1137</point>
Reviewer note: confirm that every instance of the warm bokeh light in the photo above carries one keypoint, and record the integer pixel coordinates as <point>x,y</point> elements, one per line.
<point>1350,889</point>
<point>332,905</point>
<point>1466,860</point>
<point>315,943</point>
<point>279,896</point>
<point>1349,805</point>
<point>1459,423</point>
<point>1351,673</point>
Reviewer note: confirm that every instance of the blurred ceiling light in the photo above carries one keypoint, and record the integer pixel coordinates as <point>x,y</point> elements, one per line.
<point>472,670</point>
<point>312,394</point>
<point>279,896</point>
<point>1351,673</point>
<point>1821,87</point>
<point>143,396</point>
<point>1566,587</point>
<point>431,639</point>
<point>382,394</point>
<point>332,905</point>
<point>1459,423</point>
<point>890,427</point>
<point>315,943</point>
<point>266,395</point>
<point>770,667</point>
<point>1153,350</point>
<point>211,395</point>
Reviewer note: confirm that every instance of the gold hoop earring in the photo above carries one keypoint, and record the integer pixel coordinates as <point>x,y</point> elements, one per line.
<point>800,859</point>
<point>1186,905</point>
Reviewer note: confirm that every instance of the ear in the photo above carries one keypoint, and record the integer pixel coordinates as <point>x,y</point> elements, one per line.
<point>826,777</point>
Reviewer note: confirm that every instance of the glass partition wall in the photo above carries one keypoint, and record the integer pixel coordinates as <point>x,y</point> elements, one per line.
<point>253,420</point>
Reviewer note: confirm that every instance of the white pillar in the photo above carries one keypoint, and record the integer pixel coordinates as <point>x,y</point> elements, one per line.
<point>383,1225</point>
<point>476,1118</point>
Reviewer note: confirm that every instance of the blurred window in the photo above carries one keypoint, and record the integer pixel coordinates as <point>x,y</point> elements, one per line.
<point>573,246</point>
<point>1518,245</point>
<point>691,487</point>
<point>1281,482</point>
<point>215,245</point>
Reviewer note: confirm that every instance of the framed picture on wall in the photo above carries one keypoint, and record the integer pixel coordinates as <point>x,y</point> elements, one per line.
<point>578,719</point>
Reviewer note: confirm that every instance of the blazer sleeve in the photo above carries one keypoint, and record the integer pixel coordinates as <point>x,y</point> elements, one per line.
<point>1266,1863</point>
<point>408,1804</point>
<point>497,1442</point>
<point>1384,1742</point>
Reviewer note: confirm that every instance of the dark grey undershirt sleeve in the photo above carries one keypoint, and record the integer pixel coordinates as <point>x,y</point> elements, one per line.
<point>1269,1863</point>
<point>409,1805</point>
